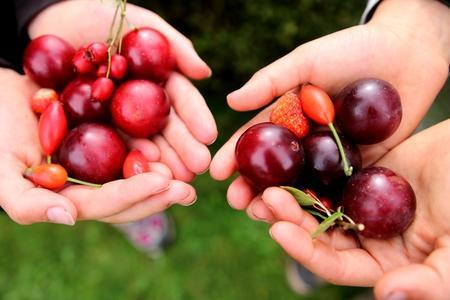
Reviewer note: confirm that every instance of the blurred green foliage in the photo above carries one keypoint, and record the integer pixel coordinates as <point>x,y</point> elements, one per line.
<point>239,37</point>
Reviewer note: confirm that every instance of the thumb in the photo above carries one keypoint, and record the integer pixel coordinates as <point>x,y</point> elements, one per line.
<point>274,80</point>
<point>39,205</point>
<point>430,280</point>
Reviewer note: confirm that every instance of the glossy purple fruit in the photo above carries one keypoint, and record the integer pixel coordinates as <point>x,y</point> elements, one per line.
<point>269,155</point>
<point>368,110</point>
<point>79,105</point>
<point>381,200</point>
<point>94,153</point>
<point>48,61</point>
<point>323,161</point>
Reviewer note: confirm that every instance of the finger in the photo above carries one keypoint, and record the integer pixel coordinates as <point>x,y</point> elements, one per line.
<point>171,159</point>
<point>116,196</point>
<point>146,147</point>
<point>179,193</point>
<point>191,108</point>
<point>430,280</point>
<point>26,204</point>
<point>240,194</point>
<point>258,211</point>
<point>285,208</point>
<point>224,163</point>
<point>195,155</point>
<point>347,267</point>
<point>187,59</point>
<point>274,80</point>
<point>160,168</point>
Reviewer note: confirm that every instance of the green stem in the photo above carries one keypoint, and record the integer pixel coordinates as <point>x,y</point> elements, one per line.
<point>327,223</point>
<point>49,159</point>
<point>73,180</point>
<point>348,170</point>
<point>118,34</point>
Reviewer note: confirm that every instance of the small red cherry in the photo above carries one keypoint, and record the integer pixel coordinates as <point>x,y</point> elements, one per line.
<point>118,66</point>
<point>82,63</point>
<point>98,52</point>
<point>102,89</point>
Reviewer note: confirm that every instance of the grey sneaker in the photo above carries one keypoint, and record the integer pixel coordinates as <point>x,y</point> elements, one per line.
<point>151,235</point>
<point>300,279</point>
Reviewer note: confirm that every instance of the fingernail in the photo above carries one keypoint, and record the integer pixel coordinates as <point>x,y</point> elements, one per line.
<point>203,172</point>
<point>192,202</point>
<point>395,296</point>
<point>209,72</point>
<point>59,215</point>
<point>213,141</point>
<point>270,233</point>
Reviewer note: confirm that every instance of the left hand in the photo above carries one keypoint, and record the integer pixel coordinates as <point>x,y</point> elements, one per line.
<point>83,21</point>
<point>422,251</point>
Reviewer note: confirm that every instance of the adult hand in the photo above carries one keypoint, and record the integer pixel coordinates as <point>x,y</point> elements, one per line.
<point>404,43</point>
<point>78,23</point>
<point>117,201</point>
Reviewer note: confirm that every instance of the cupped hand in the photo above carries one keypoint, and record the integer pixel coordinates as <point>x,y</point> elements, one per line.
<point>406,44</point>
<point>422,251</point>
<point>118,201</point>
<point>191,127</point>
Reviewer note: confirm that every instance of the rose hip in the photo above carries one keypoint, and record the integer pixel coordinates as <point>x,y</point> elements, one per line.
<point>42,99</point>
<point>118,67</point>
<point>49,176</point>
<point>102,89</point>
<point>82,63</point>
<point>52,127</point>
<point>98,52</point>
<point>134,164</point>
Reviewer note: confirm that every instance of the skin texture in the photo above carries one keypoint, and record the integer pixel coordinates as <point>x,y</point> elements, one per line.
<point>173,161</point>
<point>415,35</point>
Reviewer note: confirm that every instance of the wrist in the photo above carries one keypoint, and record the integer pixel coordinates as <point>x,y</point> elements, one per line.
<point>425,20</point>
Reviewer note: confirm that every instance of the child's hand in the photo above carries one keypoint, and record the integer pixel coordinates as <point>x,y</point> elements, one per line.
<point>117,201</point>
<point>191,127</point>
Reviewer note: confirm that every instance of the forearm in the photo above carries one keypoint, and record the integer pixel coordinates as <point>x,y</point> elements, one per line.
<point>427,20</point>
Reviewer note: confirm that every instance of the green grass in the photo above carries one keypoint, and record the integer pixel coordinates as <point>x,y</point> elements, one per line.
<point>219,254</point>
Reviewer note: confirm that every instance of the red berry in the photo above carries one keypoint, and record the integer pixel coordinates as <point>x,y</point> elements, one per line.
<point>42,99</point>
<point>134,164</point>
<point>102,89</point>
<point>94,153</point>
<point>102,70</point>
<point>269,155</point>
<point>148,54</point>
<point>52,127</point>
<point>82,63</point>
<point>140,108</point>
<point>49,176</point>
<point>381,200</point>
<point>118,66</point>
<point>47,61</point>
<point>288,113</point>
<point>98,52</point>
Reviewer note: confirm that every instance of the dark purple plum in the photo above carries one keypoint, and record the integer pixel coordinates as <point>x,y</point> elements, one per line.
<point>269,155</point>
<point>79,105</point>
<point>94,153</point>
<point>381,200</point>
<point>368,111</point>
<point>48,61</point>
<point>323,161</point>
